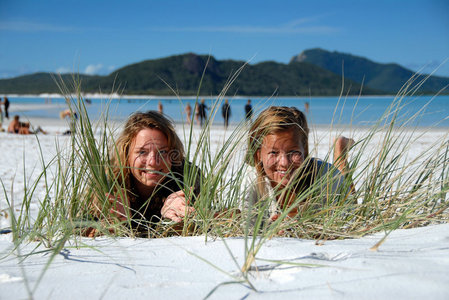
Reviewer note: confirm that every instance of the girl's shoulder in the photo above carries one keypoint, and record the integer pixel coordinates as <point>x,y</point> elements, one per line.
<point>320,167</point>
<point>317,169</point>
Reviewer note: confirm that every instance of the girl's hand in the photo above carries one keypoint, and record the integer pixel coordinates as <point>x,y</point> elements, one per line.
<point>292,214</point>
<point>119,209</point>
<point>175,207</point>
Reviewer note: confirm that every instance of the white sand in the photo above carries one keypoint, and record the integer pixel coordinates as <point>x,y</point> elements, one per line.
<point>411,264</point>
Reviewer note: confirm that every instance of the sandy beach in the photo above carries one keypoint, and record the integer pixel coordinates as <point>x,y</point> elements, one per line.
<point>410,264</point>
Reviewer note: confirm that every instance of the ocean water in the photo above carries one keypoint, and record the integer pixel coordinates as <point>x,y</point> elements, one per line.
<point>422,111</point>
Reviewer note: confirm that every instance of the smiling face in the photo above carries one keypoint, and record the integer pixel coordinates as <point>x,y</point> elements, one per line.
<point>148,158</point>
<point>281,154</point>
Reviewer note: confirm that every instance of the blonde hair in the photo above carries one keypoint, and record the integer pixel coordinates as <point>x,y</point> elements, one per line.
<point>136,122</point>
<point>273,120</point>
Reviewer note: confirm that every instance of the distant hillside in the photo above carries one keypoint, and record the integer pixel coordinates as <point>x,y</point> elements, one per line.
<point>384,77</point>
<point>38,83</point>
<point>183,73</point>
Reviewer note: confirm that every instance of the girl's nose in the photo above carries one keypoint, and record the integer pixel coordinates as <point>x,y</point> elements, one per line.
<point>283,160</point>
<point>153,159</point>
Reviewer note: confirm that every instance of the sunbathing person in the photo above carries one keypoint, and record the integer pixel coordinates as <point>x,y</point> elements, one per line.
<point>17,127</point>
<point>14,125</point>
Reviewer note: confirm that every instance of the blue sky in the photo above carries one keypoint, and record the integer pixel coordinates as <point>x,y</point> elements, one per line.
<point>97,36</point>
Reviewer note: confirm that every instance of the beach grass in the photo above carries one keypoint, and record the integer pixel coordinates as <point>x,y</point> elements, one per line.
<point>391,190</point>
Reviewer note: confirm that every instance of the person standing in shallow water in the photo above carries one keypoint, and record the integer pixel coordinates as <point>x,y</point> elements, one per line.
<point>226,112</point>
<point>202,112</point>
<point>197,113</point>
<point>188,110</point>
<point>248,111</point>
<point>1,119</point>
<point>6,104</point>
<point>160,107</point>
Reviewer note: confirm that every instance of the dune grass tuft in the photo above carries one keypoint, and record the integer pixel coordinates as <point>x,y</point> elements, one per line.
<point>392,190</point>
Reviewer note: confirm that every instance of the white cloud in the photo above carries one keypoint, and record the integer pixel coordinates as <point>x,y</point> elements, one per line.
<point>27,26</point>
<point>63,70</point>
<point>293,27</point>
<point>93,69</point>
<point>19,71</point>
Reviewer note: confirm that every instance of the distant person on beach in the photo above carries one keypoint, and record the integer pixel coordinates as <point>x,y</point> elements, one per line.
<point>226,112</point>
<point>202,112</point>
<point>160,107</point>
<point>17,127</point>
<point>1,119</point>
<point>188,110</point>
<point>148,163</point>
<point>248,110</point>
<point>65,113</point>
<point>6,104</point>
<point>14,125</point>
<point>73,117</point>
<point>280,166</point>
<point>197,114</point>
<point>306,107</point>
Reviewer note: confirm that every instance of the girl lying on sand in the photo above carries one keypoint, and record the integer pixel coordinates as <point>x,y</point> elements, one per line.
<point>281,168</point>
<point>148,161</point>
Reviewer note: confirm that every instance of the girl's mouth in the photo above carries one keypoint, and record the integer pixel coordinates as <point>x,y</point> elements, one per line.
<point>282,172</point>
<point>152,173</point>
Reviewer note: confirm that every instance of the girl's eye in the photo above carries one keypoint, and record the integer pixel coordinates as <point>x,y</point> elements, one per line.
<point>296,156</point>
<point>163,152</point>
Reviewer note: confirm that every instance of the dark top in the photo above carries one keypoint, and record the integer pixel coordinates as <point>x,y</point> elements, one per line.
<point>149,210</point>
<point>202,110</point>
<point>312,170</point>
<point>248,111</point>
<point>226,110</point>
<point>309,176</point>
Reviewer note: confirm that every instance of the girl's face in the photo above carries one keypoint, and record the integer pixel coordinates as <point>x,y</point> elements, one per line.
<point>281,154</point>
<point>148,158</point>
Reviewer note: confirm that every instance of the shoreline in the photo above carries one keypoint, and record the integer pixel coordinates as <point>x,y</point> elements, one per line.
<point>244,97</point>
<point>57,122</point>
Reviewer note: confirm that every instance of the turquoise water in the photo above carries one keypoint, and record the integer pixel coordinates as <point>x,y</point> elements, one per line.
<point>433,111</point>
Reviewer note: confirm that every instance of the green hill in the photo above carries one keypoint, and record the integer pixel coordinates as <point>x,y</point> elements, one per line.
<point>314,72</point>
<point>183,73</point>
<point>384,77</point>
<point>38,83</point>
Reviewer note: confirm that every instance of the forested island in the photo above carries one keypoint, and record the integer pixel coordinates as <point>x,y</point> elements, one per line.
<point>314,72</point>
